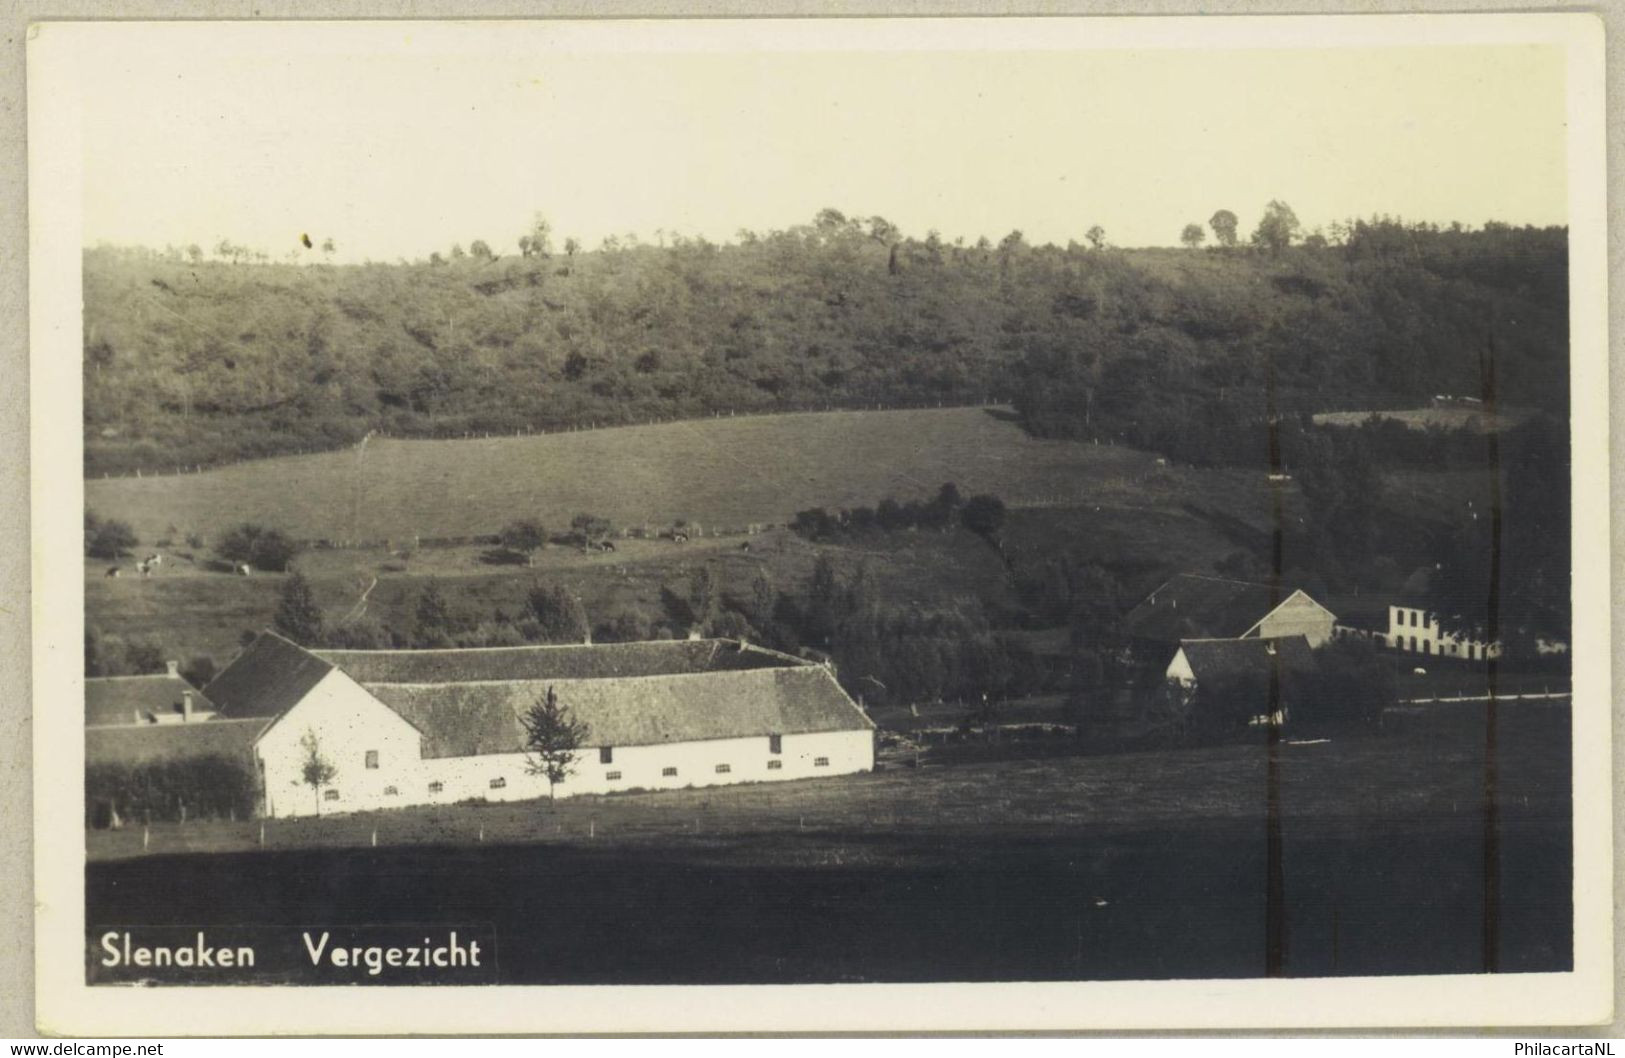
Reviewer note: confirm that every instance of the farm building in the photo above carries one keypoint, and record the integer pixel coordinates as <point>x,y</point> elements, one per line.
<point>1195,606</point>
<point>1197,660</point>
<point>158,698</point>
<point>1233,663</point>
<point>438,726</point>
<point>1415,627</point>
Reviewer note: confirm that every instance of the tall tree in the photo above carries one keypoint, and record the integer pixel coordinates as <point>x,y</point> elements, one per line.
<point>1192,236</point>
<point>298,617</point>
<point>1277,227</point>
<point>553,737</point>
<point>1224,224</point>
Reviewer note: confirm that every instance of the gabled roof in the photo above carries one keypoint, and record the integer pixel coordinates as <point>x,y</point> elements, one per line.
<point>1195,606</point>
<point>573,661</point>
<point>118,699</point>
<point>147,743</point>
<point>268,678</point>
<point>1227,658</point>
<point>470,719</point>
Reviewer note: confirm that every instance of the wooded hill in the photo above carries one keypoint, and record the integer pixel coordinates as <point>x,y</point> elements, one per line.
<point>196,361</point>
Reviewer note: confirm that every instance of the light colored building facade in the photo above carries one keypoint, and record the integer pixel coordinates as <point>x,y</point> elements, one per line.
<point>437,727</point>
<point>1416,630</point>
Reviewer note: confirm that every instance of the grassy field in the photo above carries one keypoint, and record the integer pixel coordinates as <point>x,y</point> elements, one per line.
<point>1136,865</point>
<point>723,472</point>
<point>193,612</point>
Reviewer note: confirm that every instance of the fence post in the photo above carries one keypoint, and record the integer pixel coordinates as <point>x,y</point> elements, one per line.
<point>146,835</point>
<point>375,837</point>
<point>262,833</point>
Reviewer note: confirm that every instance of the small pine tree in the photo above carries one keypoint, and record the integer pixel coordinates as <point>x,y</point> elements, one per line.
<point>298,617</point>
<point>552,738</point>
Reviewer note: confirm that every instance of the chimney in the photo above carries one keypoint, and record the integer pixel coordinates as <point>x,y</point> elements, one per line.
<point>186,707</point>
<point>173,668</point>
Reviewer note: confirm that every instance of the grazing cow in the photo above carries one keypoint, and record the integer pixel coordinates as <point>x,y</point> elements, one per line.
<point>745,546</point>
<point>154,560</point>
<point>144,568</point>
<point>112,571</point>
<point>679,538</point>
<point>1419,671</point>
<point>606,546</point>
<point>243,569</point>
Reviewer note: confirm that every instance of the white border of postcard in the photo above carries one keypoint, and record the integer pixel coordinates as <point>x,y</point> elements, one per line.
<point>62,58</point>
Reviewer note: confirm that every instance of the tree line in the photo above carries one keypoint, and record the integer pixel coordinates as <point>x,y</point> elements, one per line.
<point>843,311</point>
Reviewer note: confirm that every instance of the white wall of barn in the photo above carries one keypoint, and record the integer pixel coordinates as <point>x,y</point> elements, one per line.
<point>1298,615</point>
<point>348,724</point>
<point>646,768</point>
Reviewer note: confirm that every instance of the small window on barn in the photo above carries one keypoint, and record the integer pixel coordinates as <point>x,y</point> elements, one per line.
<point>497,784</point>
<point>820,762</point>
<point>331,795</point>
<point>670,773</point>
<point>774,765</point>
<point>723,769</point>
<point>372,758</point>
<point>606,754</point>
<point>775,743</point>
<point>391,791</point>
<point>437,787</point>
<point>613,776</point>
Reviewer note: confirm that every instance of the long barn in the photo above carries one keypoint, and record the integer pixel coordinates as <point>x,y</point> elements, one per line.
<point>440,726</point>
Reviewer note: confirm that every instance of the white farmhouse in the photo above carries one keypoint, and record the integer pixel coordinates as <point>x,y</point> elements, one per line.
<point>1415,628</point>
<point>439,726</point>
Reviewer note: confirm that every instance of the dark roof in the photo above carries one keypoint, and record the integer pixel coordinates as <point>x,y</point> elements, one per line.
<point>574,661</point>
<point>118,699</point>
<point>1194,606</point>
<point>1362,611</point>
<point>469,719</point>
<point>270,676</point>
<point>146,743</point>
<point>1224,658</point>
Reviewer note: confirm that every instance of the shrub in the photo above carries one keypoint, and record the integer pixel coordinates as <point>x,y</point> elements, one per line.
<point>260,547</point>
<point>214,785</point>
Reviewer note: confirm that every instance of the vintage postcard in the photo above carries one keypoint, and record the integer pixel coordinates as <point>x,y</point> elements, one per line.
<point>819,525</point>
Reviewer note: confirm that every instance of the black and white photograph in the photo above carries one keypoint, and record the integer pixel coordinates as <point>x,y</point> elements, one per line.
<point>1038,522</point>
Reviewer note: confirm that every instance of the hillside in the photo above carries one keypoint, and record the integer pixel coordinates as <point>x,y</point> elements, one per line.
<point>195,361</point>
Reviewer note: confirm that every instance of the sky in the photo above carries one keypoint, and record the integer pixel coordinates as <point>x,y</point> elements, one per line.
<point>396,142</point>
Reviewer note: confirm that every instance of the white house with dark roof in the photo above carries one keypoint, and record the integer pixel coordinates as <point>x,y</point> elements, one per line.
<point>440,726</point>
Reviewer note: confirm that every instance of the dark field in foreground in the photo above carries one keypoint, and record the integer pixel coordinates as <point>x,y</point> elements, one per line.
<point>1143,865</point>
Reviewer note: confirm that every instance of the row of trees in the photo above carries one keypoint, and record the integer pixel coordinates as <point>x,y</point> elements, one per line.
<point>980,514</point>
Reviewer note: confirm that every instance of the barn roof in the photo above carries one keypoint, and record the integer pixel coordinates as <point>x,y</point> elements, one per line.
<point>1195,606</point>
<point>1228,658</point>
<point>470,719</point>
<point>269,677</point>
<point>147,743</point>
<point>118,699</point>
<point>558,662</point>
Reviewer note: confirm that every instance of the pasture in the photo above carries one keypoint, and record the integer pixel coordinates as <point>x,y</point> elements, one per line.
<point>718,472</point>
<point>1134,865</point>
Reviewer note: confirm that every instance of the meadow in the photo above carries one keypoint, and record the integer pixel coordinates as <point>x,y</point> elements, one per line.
<point>727,472</point>
<point>1146,864</point>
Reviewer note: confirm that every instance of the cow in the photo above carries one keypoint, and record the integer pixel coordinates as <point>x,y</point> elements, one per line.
<point>112,571</point>
<point>144,568</point>
<point>679,538</point>
<point>242,569</point>
<point>745,546</point>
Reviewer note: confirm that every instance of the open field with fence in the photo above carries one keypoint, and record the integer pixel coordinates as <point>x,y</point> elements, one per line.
<point>1146,864</point>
